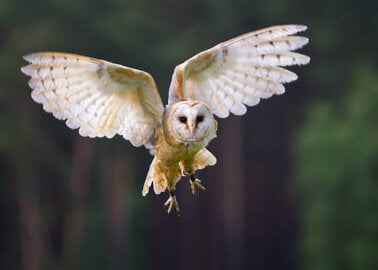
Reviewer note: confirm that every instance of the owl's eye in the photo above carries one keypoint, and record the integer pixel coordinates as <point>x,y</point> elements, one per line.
<point>182,119</point>
<point>199,118</point>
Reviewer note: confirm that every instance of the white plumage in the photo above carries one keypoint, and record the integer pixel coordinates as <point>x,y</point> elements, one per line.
<point>104,99</point>
<point>94,96</point>
<point>243,69</point>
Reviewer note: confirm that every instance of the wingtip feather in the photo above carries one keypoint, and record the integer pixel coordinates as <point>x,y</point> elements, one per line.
<point>305,60</point>
<point>29,57</point>
<point>24,70</point>
<point>28,70</point>
<point>301,27</point>
<point>295,28</point>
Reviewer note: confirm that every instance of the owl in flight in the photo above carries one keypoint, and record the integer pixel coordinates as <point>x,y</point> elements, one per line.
<point>104,99</point>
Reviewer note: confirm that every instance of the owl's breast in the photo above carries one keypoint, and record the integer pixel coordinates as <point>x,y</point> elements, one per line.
<point>174,153</point>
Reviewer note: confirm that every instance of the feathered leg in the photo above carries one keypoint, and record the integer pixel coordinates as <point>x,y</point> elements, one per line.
<point>173,174</point>
<point>195,184</point>
<point>159,176</point>
<point>202,159</point>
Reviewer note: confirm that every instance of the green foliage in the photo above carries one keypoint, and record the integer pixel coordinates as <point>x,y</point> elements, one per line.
<point>337,155</point>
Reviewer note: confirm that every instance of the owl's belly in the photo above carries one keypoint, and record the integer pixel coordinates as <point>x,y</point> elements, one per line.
<point>171,154</point>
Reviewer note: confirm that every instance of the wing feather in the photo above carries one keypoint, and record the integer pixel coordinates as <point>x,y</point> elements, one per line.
<point>240,71</point>
<point>97,97</point>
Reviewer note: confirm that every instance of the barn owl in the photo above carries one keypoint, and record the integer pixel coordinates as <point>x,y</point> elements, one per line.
<point>103,99</point>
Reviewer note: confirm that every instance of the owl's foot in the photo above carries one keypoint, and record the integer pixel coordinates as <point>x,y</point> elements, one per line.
<point>195,184</point>
<point>172,202</point>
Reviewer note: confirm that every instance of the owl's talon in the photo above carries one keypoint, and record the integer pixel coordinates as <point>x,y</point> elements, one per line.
<point>172,202</point>
<point>195,185</point>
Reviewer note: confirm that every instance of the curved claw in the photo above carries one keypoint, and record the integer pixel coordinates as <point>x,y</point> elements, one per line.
<point>195,185</point>
<point>172,202</point>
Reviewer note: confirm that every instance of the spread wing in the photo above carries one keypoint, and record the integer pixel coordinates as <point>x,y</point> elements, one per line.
<point>240,71</point>
<point>97,97</point>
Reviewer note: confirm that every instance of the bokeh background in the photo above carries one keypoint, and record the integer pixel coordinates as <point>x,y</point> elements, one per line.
<point>296,184</point>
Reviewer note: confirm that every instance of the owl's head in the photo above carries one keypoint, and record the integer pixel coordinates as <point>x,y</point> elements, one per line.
<point>189,121</point>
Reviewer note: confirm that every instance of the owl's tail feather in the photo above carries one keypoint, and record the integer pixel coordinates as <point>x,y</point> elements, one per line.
<point>156,176</point>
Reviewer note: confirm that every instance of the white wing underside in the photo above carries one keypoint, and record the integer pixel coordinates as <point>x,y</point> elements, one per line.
<point>97,97</point>
<point>240,71</point>
<point>104,99</point>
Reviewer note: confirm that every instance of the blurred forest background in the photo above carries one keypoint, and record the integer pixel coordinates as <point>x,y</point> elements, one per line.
<point>296,184</point>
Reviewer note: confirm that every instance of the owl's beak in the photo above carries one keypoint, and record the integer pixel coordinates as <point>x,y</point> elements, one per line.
<point>191,126</point>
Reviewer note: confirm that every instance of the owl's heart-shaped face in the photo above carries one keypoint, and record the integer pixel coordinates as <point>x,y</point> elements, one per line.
<point>190,121</point>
